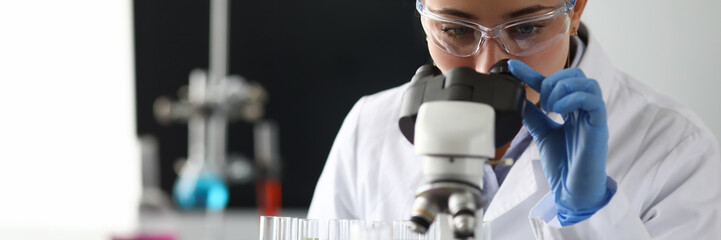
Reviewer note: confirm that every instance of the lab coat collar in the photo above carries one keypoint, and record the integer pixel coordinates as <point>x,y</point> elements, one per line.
<point>525,182</point>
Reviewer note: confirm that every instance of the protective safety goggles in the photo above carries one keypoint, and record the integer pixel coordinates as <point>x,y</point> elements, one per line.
<point>520,37</point>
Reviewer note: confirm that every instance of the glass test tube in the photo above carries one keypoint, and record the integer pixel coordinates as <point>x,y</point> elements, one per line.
<point>277,228</point>
<point>401,231</point>
<point>486,230</point>
<point>308,229</point>
<point>340,229</point>
<point>376,230</point>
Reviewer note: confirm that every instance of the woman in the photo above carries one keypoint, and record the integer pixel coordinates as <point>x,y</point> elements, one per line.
<point>602,157</point>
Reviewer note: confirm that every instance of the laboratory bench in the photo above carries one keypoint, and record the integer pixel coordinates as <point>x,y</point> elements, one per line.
<point>234,224</point>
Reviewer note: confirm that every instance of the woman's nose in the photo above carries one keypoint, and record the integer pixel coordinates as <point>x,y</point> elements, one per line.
<point>491,52</point>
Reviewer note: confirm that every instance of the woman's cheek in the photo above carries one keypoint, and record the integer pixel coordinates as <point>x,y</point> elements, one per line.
<point>551,60</point>
<point>445,61</point>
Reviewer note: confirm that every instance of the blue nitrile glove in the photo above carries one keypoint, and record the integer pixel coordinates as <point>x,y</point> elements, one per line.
<point>202,190</point>
<point>573,154</point>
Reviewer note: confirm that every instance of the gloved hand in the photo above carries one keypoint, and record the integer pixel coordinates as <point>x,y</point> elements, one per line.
<point>573,154</point>
<point>202,190</point>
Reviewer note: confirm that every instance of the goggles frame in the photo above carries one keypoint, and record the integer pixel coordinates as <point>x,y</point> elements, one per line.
<point>487,32</point>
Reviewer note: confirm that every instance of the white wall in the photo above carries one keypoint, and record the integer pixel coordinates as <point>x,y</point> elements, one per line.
<point>672,46</point>
<point>69,162</point>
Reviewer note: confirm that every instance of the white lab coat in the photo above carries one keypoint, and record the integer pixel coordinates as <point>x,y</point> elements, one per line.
<point>665,161</point>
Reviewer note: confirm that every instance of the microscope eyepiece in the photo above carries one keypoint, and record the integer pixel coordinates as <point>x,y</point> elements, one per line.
<point>498,88</point>
<point>425,71</point>
<point>501,67</point>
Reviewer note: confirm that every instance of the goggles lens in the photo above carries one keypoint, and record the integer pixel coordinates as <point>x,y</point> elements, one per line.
<point>521,37</point>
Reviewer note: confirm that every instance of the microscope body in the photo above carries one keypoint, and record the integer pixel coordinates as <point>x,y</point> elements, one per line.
<point>455,139</point>
<point>456,122</point>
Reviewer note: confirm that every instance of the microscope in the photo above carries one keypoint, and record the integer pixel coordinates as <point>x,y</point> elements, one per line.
<point>456,122</point>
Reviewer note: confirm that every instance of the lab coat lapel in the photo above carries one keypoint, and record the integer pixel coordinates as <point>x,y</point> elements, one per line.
<point>525,182</point>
